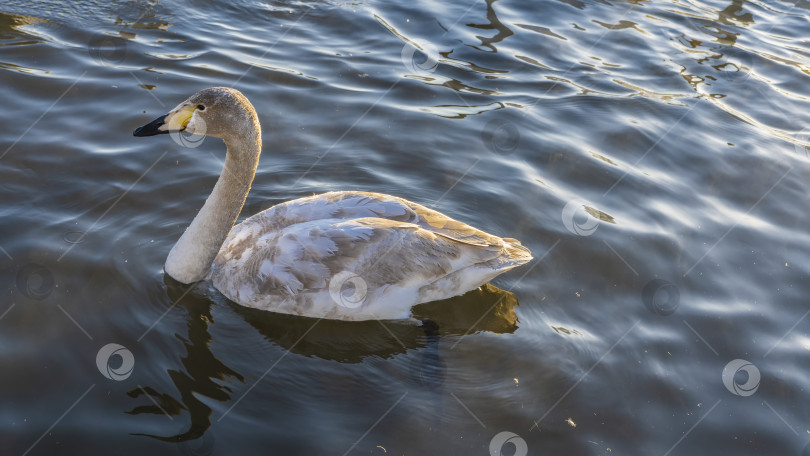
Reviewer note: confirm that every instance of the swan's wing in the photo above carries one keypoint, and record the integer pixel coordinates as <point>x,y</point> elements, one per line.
<point>332,205</point>
<point>300,269</point>
<point>352,205</point>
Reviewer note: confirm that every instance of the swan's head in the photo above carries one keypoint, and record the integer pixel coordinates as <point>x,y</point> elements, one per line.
<point>217,111</point>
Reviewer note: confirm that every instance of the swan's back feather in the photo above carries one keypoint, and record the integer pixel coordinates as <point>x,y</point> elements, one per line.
<point>283,258</point>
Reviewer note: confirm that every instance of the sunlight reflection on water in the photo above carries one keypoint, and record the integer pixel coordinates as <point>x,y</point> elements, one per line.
<point>644,152</point>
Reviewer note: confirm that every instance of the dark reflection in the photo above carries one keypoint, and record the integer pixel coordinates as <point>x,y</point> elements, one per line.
<point>202,372</point>
<point>11,25</point>
<point>503,32</point>
<point>487,308</point>
<point>729,62</point>
<point>432,370</point>
<point>458,86</point>
<point>734,15</point>
<point>575,3</point>
<point>621,25</point>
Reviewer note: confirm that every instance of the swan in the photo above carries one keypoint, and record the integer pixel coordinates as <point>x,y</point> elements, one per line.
<point>346,255</point>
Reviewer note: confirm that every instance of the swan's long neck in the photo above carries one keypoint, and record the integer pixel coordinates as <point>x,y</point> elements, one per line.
<point>191,257</point>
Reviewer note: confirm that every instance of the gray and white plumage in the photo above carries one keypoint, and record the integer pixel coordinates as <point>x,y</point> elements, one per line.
<point>338,255</point>
<point>313,256</point>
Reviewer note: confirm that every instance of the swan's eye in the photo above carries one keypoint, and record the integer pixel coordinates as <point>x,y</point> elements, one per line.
<point>200,108</point>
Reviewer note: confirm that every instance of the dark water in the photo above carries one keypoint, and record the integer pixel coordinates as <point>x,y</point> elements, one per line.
<point>651,154</point>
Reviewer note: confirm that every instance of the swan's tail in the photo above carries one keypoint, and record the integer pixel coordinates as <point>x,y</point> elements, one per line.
<point>513,254</point>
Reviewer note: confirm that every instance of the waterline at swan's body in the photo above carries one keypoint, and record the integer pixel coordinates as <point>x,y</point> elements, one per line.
<point>339,255</point>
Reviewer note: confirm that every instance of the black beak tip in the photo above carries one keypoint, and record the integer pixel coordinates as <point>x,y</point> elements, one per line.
<point>151,129</point>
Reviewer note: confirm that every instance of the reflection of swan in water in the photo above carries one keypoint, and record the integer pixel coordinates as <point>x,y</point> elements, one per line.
<point>202,375</point>
<point>297,257</point>
<point>353,342</point>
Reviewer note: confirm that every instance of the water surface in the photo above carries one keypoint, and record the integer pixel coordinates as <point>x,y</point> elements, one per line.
<point>652,155</point>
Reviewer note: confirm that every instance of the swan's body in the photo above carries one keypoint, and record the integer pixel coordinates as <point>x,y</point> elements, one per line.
<point>338,255</point>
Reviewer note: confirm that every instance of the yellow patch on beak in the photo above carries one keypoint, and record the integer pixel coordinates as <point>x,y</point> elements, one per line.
<point>179,118</point>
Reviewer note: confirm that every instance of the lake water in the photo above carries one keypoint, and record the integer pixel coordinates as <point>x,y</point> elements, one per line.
<point>652,155</point>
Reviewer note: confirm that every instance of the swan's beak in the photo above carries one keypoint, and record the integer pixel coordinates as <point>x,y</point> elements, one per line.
<point>176,120</point>
<point>153,128</point>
